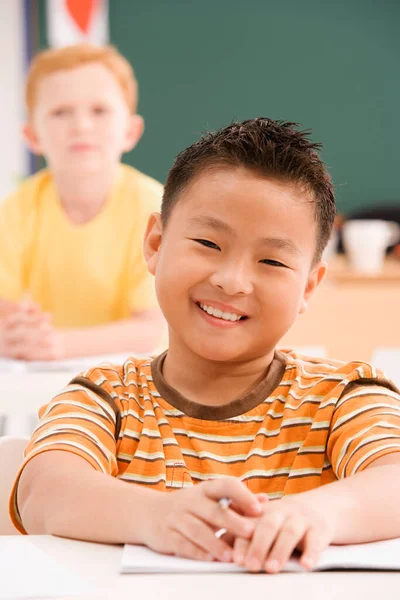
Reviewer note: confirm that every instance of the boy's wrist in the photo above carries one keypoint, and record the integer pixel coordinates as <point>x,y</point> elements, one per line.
<point>143,505</point>
<point>340,505</point>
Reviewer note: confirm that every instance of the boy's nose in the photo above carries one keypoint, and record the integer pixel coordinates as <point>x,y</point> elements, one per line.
<point>233,278</point>
<point>81,121</point>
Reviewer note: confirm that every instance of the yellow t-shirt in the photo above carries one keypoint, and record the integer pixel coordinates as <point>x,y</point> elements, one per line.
<point>83,274</point>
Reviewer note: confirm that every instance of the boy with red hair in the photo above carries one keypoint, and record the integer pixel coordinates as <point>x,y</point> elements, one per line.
<point>71,235</point>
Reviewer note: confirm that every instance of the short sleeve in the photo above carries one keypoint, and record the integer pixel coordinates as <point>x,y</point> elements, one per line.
<point>365,426</point>
<point>11,248</point>
<point>81,419</point>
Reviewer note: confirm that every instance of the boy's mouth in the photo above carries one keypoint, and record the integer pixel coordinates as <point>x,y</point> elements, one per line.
<point>219,314</point>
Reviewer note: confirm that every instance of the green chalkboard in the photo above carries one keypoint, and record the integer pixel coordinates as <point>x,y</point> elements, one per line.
<point>332,65</point>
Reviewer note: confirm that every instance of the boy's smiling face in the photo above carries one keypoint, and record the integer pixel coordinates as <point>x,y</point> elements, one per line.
<point>234,264</point>
<point>80,121</point>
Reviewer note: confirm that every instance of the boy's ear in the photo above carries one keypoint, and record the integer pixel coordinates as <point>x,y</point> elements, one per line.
<point>152,242</point>
<point>134,133</point>
<point>31,139</point>
<point>315,277</point>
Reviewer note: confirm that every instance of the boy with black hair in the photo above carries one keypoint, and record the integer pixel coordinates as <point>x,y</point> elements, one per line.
<point>306,449</point>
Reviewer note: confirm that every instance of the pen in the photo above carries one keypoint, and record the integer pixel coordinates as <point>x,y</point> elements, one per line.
<point>224,502</point>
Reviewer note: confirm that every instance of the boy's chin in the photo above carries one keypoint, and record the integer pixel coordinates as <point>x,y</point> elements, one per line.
<point>223,354</point>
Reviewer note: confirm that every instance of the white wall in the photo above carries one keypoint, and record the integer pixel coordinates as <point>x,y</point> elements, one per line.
<point>12,151</point>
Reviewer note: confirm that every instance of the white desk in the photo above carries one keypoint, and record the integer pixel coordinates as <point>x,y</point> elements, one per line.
<point>100,564</point>
<point>22,395</point>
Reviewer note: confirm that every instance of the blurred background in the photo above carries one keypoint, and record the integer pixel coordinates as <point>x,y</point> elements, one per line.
<point>331,66</point>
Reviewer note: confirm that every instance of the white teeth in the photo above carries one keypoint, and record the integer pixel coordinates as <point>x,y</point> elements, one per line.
<point>216,312</point>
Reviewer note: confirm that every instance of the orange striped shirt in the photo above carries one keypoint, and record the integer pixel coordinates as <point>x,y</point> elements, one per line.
<point>309,422</point>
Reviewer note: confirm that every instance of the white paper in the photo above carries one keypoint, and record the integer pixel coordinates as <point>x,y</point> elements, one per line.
<point>28,572</point>
<point>378,556</point>
<point>381,556</point>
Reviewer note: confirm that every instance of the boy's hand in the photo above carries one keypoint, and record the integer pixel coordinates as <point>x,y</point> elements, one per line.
<point>7,307</point>
<point>184,522</point>
<point>28,334</point>
<point>285,525</point>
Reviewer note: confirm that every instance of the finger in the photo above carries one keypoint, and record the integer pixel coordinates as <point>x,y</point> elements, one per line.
<point>20,350</point>
<point>6,304</point>
<point>16,351</point>
<point>198,532</point>
<point>229,539</point>
<point>22,318</point>
<point>231,487</point>
<point>212,513</point>
<point>28,334</point>
<point>27,304</point>
<point>240,549</point>
<point>181,546</point>
<point>313,545</point>
<point>263,538</point>
<point>7,307</point>
<point>45,326</point>
<point>262,498</point>
<point>26,344</point>
<point>290,534</point>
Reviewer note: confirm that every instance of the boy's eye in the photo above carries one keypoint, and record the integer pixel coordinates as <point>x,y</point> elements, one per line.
<point>60,112</point>
<point>99,110</point>
<point>207,243</point>
<point>272,263</point>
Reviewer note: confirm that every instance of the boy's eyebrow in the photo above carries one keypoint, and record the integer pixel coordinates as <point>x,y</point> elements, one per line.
<point>212,222</point>
<point>281,243</point>
<point>217,224</point>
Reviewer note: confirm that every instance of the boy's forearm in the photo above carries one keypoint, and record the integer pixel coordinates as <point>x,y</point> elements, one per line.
<point>75,501</point>
<point>366,506</point>
<point>140,333</point>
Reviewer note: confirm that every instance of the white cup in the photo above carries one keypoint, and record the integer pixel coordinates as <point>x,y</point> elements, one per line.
<point>366,241</point>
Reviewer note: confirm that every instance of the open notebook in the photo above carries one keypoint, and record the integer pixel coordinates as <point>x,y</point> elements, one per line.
<point>376,556</point>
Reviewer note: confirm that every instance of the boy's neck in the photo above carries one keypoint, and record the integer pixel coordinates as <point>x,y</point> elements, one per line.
<point>212,383</point>
<point>83,195</point>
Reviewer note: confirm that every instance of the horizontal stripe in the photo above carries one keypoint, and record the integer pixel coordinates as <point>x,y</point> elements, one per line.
<point>57,437</point>
<point>71,428</point>
<point>279,446</point>
<point>367,441</point>
<point>362,434</point>
<point>368,455</point>
<point>137,478</point>
<point>79,388</point>
<point>133,413</point>
<point>370,392</point>
<point>83,450</point>
<point>361,411</point>
<point>261,473</point>
<point>75,404</point>
<point>72,416</point>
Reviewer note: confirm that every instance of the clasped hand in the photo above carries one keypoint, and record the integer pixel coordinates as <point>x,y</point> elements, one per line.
<point>262,533</point>
<point>27,333</point>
